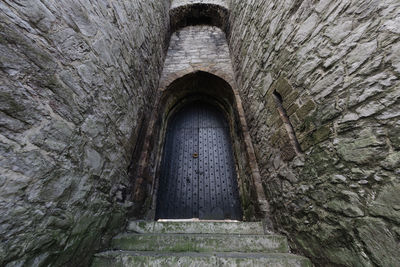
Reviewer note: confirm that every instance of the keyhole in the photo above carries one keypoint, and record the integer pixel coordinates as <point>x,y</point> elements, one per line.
<point>195,155</point>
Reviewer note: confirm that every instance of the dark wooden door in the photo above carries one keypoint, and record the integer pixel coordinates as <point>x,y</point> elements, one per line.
<point>198,177</point>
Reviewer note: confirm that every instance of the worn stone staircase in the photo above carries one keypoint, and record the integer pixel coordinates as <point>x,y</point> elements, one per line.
<point>198,244</point>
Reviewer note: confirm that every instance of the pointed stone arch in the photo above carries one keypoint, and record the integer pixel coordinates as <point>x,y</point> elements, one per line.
<point>168,79</point>
<point>210,88</point>
<point>216,90</point>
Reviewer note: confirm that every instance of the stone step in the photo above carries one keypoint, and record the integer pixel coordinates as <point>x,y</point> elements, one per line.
<point>134,258</point>
<point>200,242</point>
<point>200,227</point>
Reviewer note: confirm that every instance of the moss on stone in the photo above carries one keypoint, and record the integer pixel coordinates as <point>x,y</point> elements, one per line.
<point>291,98</point>
<point>283,87</point>
<point>305,110</point>
<point>379,241</point>
<point>361,150</point>
<point>315,137</point>
<point>387,203</point>
<point>292,109</point>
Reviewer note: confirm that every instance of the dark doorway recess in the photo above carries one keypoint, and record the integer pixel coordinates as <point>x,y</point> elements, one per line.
<point>199,14</point>
<point>198,177</point>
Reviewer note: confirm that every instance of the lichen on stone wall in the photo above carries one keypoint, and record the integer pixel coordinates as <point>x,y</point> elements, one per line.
<point>76,79</point>
<point>335,64</point>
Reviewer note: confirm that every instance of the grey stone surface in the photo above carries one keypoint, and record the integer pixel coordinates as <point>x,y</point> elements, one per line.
<point>200,242</point>
<point>243,228</point>
<point>182,245</point>
<point>340,57</point>
<point>197,48</point>
<point>76,81</point>
<point>130,259</point>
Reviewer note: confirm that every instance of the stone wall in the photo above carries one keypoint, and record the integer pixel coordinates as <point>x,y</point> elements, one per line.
<point>197,48</point>
<point>77,80</point>
<point>336,66</point>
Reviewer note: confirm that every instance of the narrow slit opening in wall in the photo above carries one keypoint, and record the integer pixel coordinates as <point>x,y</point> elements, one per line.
<point>286,121</point>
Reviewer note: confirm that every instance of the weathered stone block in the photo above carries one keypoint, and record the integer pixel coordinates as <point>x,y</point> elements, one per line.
<point>387,203</point>
<point>283,87</point>
<point>305,110</point>
<point>349,204</point>
<point>379,241</point>
<point>338,32</point>
<point>315,137</point>
<point>362,149</point>
<point>306,28</point>
<point>290,99</point>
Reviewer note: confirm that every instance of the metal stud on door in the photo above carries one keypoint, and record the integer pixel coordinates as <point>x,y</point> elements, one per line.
<point>198,178</point>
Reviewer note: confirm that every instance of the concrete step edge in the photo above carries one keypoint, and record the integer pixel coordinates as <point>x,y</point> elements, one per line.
<point>146,258</point>
<point>134,235</point>
<point>196,227</point>
<point>200,242</point>
<point>114,253</point>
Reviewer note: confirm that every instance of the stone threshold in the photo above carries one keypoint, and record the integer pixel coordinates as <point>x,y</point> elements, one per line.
<point>196,220</point>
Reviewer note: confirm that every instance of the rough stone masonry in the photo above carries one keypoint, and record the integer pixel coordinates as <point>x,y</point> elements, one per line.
<point>336,65</point>
<point>78,79</point>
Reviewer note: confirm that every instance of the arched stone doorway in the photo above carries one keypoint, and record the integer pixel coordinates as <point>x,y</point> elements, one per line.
<point>198,177</point>
<point>182,91</point>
